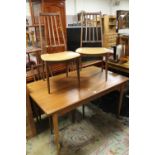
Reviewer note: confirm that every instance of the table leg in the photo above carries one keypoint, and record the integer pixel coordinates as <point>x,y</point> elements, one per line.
<point>78,69</point>
<point>56,132</point>
<point>120,100</point>
<point>29,117</point>
<point>47,77</point>
<point>50,123</point>
<point>73,112</point>
<point>106,67</point>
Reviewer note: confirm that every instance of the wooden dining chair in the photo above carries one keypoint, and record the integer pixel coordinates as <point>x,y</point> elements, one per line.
<point>53,44</point>
<point>91,42</point>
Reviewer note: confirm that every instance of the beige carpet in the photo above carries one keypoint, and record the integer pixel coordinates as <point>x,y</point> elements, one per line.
<point>99,133</point>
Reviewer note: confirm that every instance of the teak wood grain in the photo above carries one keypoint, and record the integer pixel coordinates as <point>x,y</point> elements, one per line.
<point>66,94</point>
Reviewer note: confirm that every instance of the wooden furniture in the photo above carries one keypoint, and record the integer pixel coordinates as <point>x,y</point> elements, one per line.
<point>109,30</point>
<point>120,64</point>
<point>37,6</point>
<point>33,50</point>
<point>54,37</point>
<point>91,32</point>
<point>53,34</point>
<point>35,71</point>
<point>97,51</point>
<point>122,67</point>
<point>66,56</point>
<point>91,28</point>
<point>30,125</point>
<point>67,95</point>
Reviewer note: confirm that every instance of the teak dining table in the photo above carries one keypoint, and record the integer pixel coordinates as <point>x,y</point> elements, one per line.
<point>66,95</point>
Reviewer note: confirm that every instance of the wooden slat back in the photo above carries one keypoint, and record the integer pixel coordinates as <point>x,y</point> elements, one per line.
<point>53,34</point>
<point>91,28</point>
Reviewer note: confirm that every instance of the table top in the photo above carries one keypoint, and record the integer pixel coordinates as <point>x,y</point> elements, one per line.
<point>93,50</point>
<point>65,92</point>
<point>61,56</point>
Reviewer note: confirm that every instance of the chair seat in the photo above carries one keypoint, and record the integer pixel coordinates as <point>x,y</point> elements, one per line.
<point>61,56</point>
<point>93,51</point>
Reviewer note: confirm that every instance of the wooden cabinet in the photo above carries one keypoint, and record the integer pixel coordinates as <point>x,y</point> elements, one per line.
<point>109,31</point>
<point>37,6</point>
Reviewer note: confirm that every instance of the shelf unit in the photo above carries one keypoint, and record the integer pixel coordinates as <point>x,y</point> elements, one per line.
<point>109,30</point>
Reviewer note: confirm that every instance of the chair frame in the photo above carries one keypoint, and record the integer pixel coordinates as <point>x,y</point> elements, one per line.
<point>52,33</point>
<point>85,16</point>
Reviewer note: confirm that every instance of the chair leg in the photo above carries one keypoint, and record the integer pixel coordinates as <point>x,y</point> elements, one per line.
<point>47,77</point>
<point>72,68</point>
<point>80,62</point>
<point>49,70</point>
<point>38,74</point>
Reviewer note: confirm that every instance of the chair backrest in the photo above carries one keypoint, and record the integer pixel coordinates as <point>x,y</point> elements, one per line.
<point>51,31</point>
<point>91,28</point>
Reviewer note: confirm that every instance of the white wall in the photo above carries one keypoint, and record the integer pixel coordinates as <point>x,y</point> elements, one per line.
<point>27,9</point>
<point>123,5</point>
<point>105,6</point>
<point>75,6</point>
<point>70,8</point>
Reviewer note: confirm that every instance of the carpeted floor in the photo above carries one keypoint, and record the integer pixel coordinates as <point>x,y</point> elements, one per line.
<point>100,133</point>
